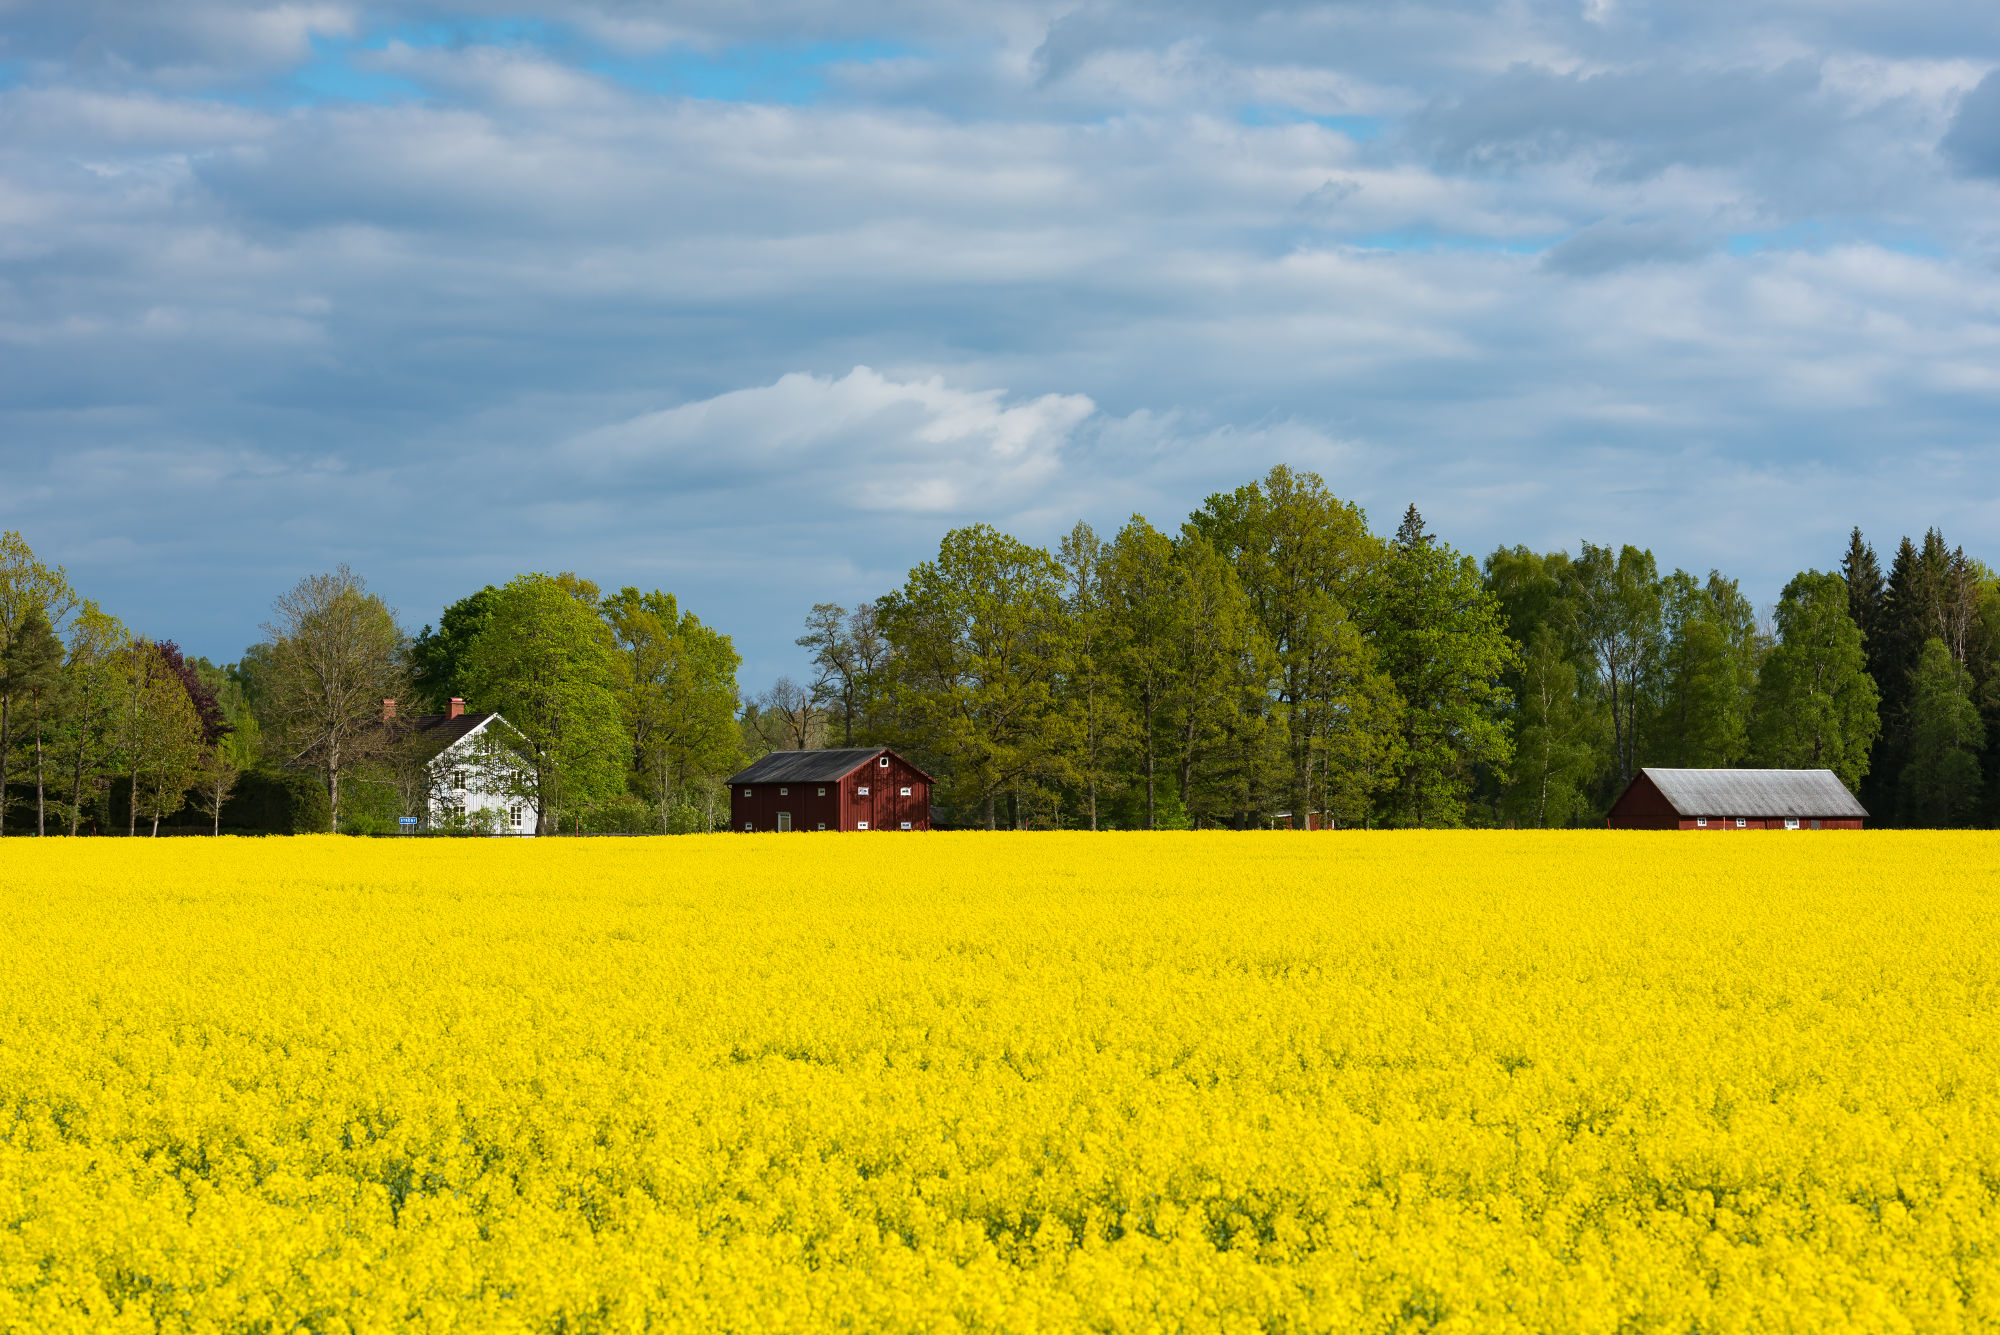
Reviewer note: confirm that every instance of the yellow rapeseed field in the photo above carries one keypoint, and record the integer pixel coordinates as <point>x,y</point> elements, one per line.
<point>1345,1082</point>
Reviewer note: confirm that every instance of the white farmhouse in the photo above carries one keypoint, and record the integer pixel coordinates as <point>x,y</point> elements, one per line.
<point>466,759</point>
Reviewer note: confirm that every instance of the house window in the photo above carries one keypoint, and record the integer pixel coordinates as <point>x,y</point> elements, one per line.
<point>784,821</point>
<point>784,792</point>
<point>1701,822</point>
<point>458,778</point>
<point>906,792</point>
<point>862,791</point>
<point>1791,825</point>
<point>1741,823</point>
<point>514,815</point>
<point>906,825</point>
<point>883,762</point>
<point>861,825</point>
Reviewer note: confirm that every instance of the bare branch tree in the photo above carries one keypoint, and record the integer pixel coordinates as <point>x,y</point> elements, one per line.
<point>336,654</point>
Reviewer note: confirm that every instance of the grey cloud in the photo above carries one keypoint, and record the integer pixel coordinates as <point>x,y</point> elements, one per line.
<point>1644,120</point>
<point>1608,245</point>
<point>1973,142</point>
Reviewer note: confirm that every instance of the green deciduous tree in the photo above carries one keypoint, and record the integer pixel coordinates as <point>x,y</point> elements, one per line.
<point>1302,554</point>
<point>1146,617</point>
<point>1097,727</point>
<point>678,694</point>
<point>438,658</point>
<point>1815,703</point>
<point>1707,675</point>
<point>1558,738</point>
<point>159,734</point>
<point>1617,606</point>
<point>1220,670</point>
<point>976,648</point>
<point>84,742</point>
<point>549,664</point>
<point>1940,782</point>
<point>1442,642</point>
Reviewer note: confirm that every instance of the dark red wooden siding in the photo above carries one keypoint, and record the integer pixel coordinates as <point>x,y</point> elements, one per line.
<point>838,804</point>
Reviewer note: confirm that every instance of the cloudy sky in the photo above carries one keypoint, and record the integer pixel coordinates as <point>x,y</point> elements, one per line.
<point>752,301</point>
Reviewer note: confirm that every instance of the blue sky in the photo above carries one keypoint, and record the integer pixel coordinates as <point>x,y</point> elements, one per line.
<point>752,302</point>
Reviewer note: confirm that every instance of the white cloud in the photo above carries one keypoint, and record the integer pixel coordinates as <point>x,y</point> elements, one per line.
<point>863,440</point>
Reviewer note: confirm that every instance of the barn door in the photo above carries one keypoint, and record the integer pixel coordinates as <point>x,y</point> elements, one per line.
<point>784,821</point>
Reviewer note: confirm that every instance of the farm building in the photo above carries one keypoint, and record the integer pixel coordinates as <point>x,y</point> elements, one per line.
<point>863,788</point>
<point>1736,799</point>
<point>468,767</point>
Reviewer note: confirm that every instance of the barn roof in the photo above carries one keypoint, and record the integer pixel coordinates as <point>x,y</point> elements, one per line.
<point>1761,793</point>
<point>811,766</point>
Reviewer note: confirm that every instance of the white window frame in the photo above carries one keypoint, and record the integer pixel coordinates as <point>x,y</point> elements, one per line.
<point>1791,823</point>
<point>906,825</point>
<point>1742,824</point>
<point>746,792</point>
<point>906,792</point>
<point>784,822</point>
<point>883,762</point>
<point>822,792</point>
<point>862,791</point>
<point>749,826</point>
<point>822,825</point>
<point>784,792</point>
<point>1701,822</point>
<point>861,825</point>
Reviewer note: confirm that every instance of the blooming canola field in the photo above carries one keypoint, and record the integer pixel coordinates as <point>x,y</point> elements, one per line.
<point>1475,1081</point>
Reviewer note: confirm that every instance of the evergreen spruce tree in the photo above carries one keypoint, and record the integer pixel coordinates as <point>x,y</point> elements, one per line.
<point>1863,574</point>
<point>1816,704</point>
<point>1940,783</point>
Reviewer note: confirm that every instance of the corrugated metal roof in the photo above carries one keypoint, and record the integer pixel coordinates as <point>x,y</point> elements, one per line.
<point>1761,793</point>
<point>807,766</point>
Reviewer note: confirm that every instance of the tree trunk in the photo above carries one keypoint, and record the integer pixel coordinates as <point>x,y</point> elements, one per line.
<point>333,796</point>
<point>41,798</point>
<point>76,793</point>
<point>132,801</point>
<point>156,825</point>
<point>990,819</point>
<point>6,748</point>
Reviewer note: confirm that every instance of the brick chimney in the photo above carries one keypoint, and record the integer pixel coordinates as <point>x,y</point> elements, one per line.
<point>457,707</point>
<point>388,710</point>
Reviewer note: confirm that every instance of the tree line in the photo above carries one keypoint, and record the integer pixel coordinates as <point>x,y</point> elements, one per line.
<point>1276,656</point>
<point>1272,656</point>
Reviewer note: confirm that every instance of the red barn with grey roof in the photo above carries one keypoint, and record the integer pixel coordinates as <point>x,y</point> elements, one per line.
<point>855,788</point>
<point>1736,799</point>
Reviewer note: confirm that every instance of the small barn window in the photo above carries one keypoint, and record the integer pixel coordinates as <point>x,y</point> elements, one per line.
<point>784,792</point>
<point>861,825</point>
<point>883,762</point>
<point>1741,823</point>
<point>906,825</point>
<point>822,825</point>
<point>746,792</point>
<point>1701,822</point>
<point>862,791</point>
<point>1791,825</point>
<point>822,793</point>
<point>749,826</point>
<point>906,792</point>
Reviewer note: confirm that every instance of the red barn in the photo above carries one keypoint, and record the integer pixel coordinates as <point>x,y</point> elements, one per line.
<point>867,788</point>
<point>1736,799</point>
